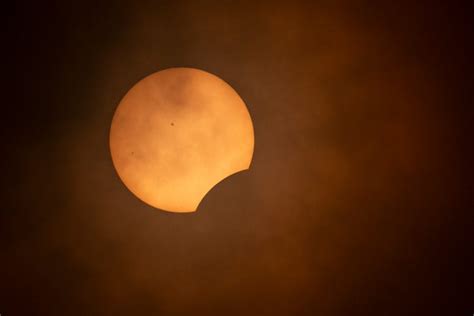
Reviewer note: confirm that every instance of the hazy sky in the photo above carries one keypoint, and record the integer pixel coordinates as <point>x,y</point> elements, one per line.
<point>356,202</point>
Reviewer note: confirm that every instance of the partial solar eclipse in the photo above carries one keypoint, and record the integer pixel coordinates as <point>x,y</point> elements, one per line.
<point>176,134</point>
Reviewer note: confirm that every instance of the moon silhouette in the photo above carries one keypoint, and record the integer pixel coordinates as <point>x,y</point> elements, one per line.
<point>176,134</point>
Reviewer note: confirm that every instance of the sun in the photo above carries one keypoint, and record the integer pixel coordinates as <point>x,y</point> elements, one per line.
<point>176,134</point>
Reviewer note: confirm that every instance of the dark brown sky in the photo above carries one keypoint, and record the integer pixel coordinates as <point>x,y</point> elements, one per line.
<point>358,201</point>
